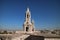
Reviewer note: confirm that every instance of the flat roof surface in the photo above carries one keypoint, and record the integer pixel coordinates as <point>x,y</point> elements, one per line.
<point>46,35</point>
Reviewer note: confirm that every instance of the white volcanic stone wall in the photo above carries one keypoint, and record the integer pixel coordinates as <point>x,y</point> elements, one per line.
<point>20,38</point>
<point>52,39</point>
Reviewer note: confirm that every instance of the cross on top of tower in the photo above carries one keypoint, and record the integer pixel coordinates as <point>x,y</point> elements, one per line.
<point>27,9</point>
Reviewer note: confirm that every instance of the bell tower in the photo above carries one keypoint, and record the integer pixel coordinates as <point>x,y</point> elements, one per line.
<point>28,16</point>
<point>28,25</point>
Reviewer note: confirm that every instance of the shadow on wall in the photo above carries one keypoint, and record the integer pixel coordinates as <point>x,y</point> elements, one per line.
<point>2,38</point>
<point>33,37</point>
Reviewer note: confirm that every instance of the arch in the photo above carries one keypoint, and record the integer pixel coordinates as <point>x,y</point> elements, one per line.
<point>27,28</point>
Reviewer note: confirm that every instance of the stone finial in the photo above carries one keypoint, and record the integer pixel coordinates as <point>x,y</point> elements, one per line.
<point>27,9</point>
<point>33,21</point>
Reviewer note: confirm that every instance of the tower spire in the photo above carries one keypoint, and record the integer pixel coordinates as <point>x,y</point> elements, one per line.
<point>28,15</point>
<point>28,9</point>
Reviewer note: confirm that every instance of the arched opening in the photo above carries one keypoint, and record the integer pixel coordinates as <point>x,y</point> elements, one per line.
<point>33,29</point>
<point>27,28</point>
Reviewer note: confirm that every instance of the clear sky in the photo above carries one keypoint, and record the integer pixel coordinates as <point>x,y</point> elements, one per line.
<point>45,13</point>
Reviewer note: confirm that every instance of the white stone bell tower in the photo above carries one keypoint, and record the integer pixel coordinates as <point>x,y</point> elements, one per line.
<point>28,26</point>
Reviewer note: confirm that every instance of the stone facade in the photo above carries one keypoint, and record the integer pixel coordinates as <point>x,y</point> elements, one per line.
<point>52,39</point>
<point>28,26</point>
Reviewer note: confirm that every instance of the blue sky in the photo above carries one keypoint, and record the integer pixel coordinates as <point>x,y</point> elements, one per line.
<point>45,13</point>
